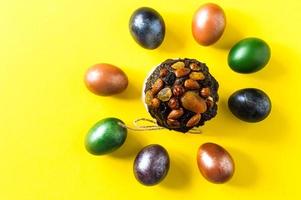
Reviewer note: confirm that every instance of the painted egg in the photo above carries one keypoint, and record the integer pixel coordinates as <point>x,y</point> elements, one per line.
<point>105,79</point>
<point>105,136</point>
<point>249,55</point>
<point>147,27</point>
<point>215,163</point>
<point>151,165</point>
<point>208,24</point>
<point>250,104</point>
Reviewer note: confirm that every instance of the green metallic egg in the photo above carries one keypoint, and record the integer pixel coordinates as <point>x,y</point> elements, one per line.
<point>249,55</point>
<point>105,136</point>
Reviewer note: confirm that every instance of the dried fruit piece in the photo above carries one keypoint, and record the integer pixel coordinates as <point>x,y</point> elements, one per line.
<point>205,92</point>
<point>169,79</point>
<point>178,65</point>
<point>173,123</point>
<point>197,76</point>
<point>158,85</point>
<point>148,97</point>
<point>209,102</point>
<point>175,114</point>
<point>173,103</point>
<point>194,67</point>
<point>178,90</point>
<point>182,72</point>
<point>164,94</point>
<point>194,120</point>
<point>191,84</point>
<point>155,103</point>
<point>193,102</point>
<point>163,72</point>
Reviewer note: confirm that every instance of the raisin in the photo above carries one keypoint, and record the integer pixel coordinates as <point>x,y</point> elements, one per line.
<point>169,79</point>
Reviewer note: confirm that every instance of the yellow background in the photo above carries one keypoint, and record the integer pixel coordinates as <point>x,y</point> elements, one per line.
<point>47,45</point>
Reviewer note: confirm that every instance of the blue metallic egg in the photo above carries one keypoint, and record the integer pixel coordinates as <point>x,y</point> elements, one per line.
<point>147,27</point>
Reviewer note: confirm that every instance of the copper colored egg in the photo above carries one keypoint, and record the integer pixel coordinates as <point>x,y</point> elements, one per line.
<point>105,79</point>
<point>215,163</point>
<point>208,24</point>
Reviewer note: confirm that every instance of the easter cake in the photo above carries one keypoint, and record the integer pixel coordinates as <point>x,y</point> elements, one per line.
<point>181,94</point>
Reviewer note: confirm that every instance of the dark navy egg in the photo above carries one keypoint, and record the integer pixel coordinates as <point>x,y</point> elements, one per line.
<point>151,165</point>
<point>250,104</point>
<point>147,27</point>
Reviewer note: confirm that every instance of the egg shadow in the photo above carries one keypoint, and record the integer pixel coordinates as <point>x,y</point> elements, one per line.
<point>230,36</point>
<point>277,67</point>
<point>179,175</point>
<point>131,92</point>
<point>232,33</point>
<point>246,171</point>
<point>232,127</point>
<point>173,41</point>
<point>130,148</point>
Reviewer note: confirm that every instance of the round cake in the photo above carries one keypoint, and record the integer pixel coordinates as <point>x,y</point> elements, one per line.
<point>181,94</point>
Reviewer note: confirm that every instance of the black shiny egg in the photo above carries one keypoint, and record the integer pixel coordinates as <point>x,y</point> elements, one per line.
<point>151,165</point>
<point>147,27</point>
<point>250,104</point>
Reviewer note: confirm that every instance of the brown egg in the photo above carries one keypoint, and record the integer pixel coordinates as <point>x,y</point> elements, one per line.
<point>105,79</point>
<point>215,163</point>
<point>208,24</point>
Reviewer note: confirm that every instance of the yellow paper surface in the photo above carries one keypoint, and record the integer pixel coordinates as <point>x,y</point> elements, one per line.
<point>46,47</point>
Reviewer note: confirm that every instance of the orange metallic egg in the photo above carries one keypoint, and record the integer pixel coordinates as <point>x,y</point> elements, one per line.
<point>105,79</point>
<point>208,24</point>
<point>215,163</point>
